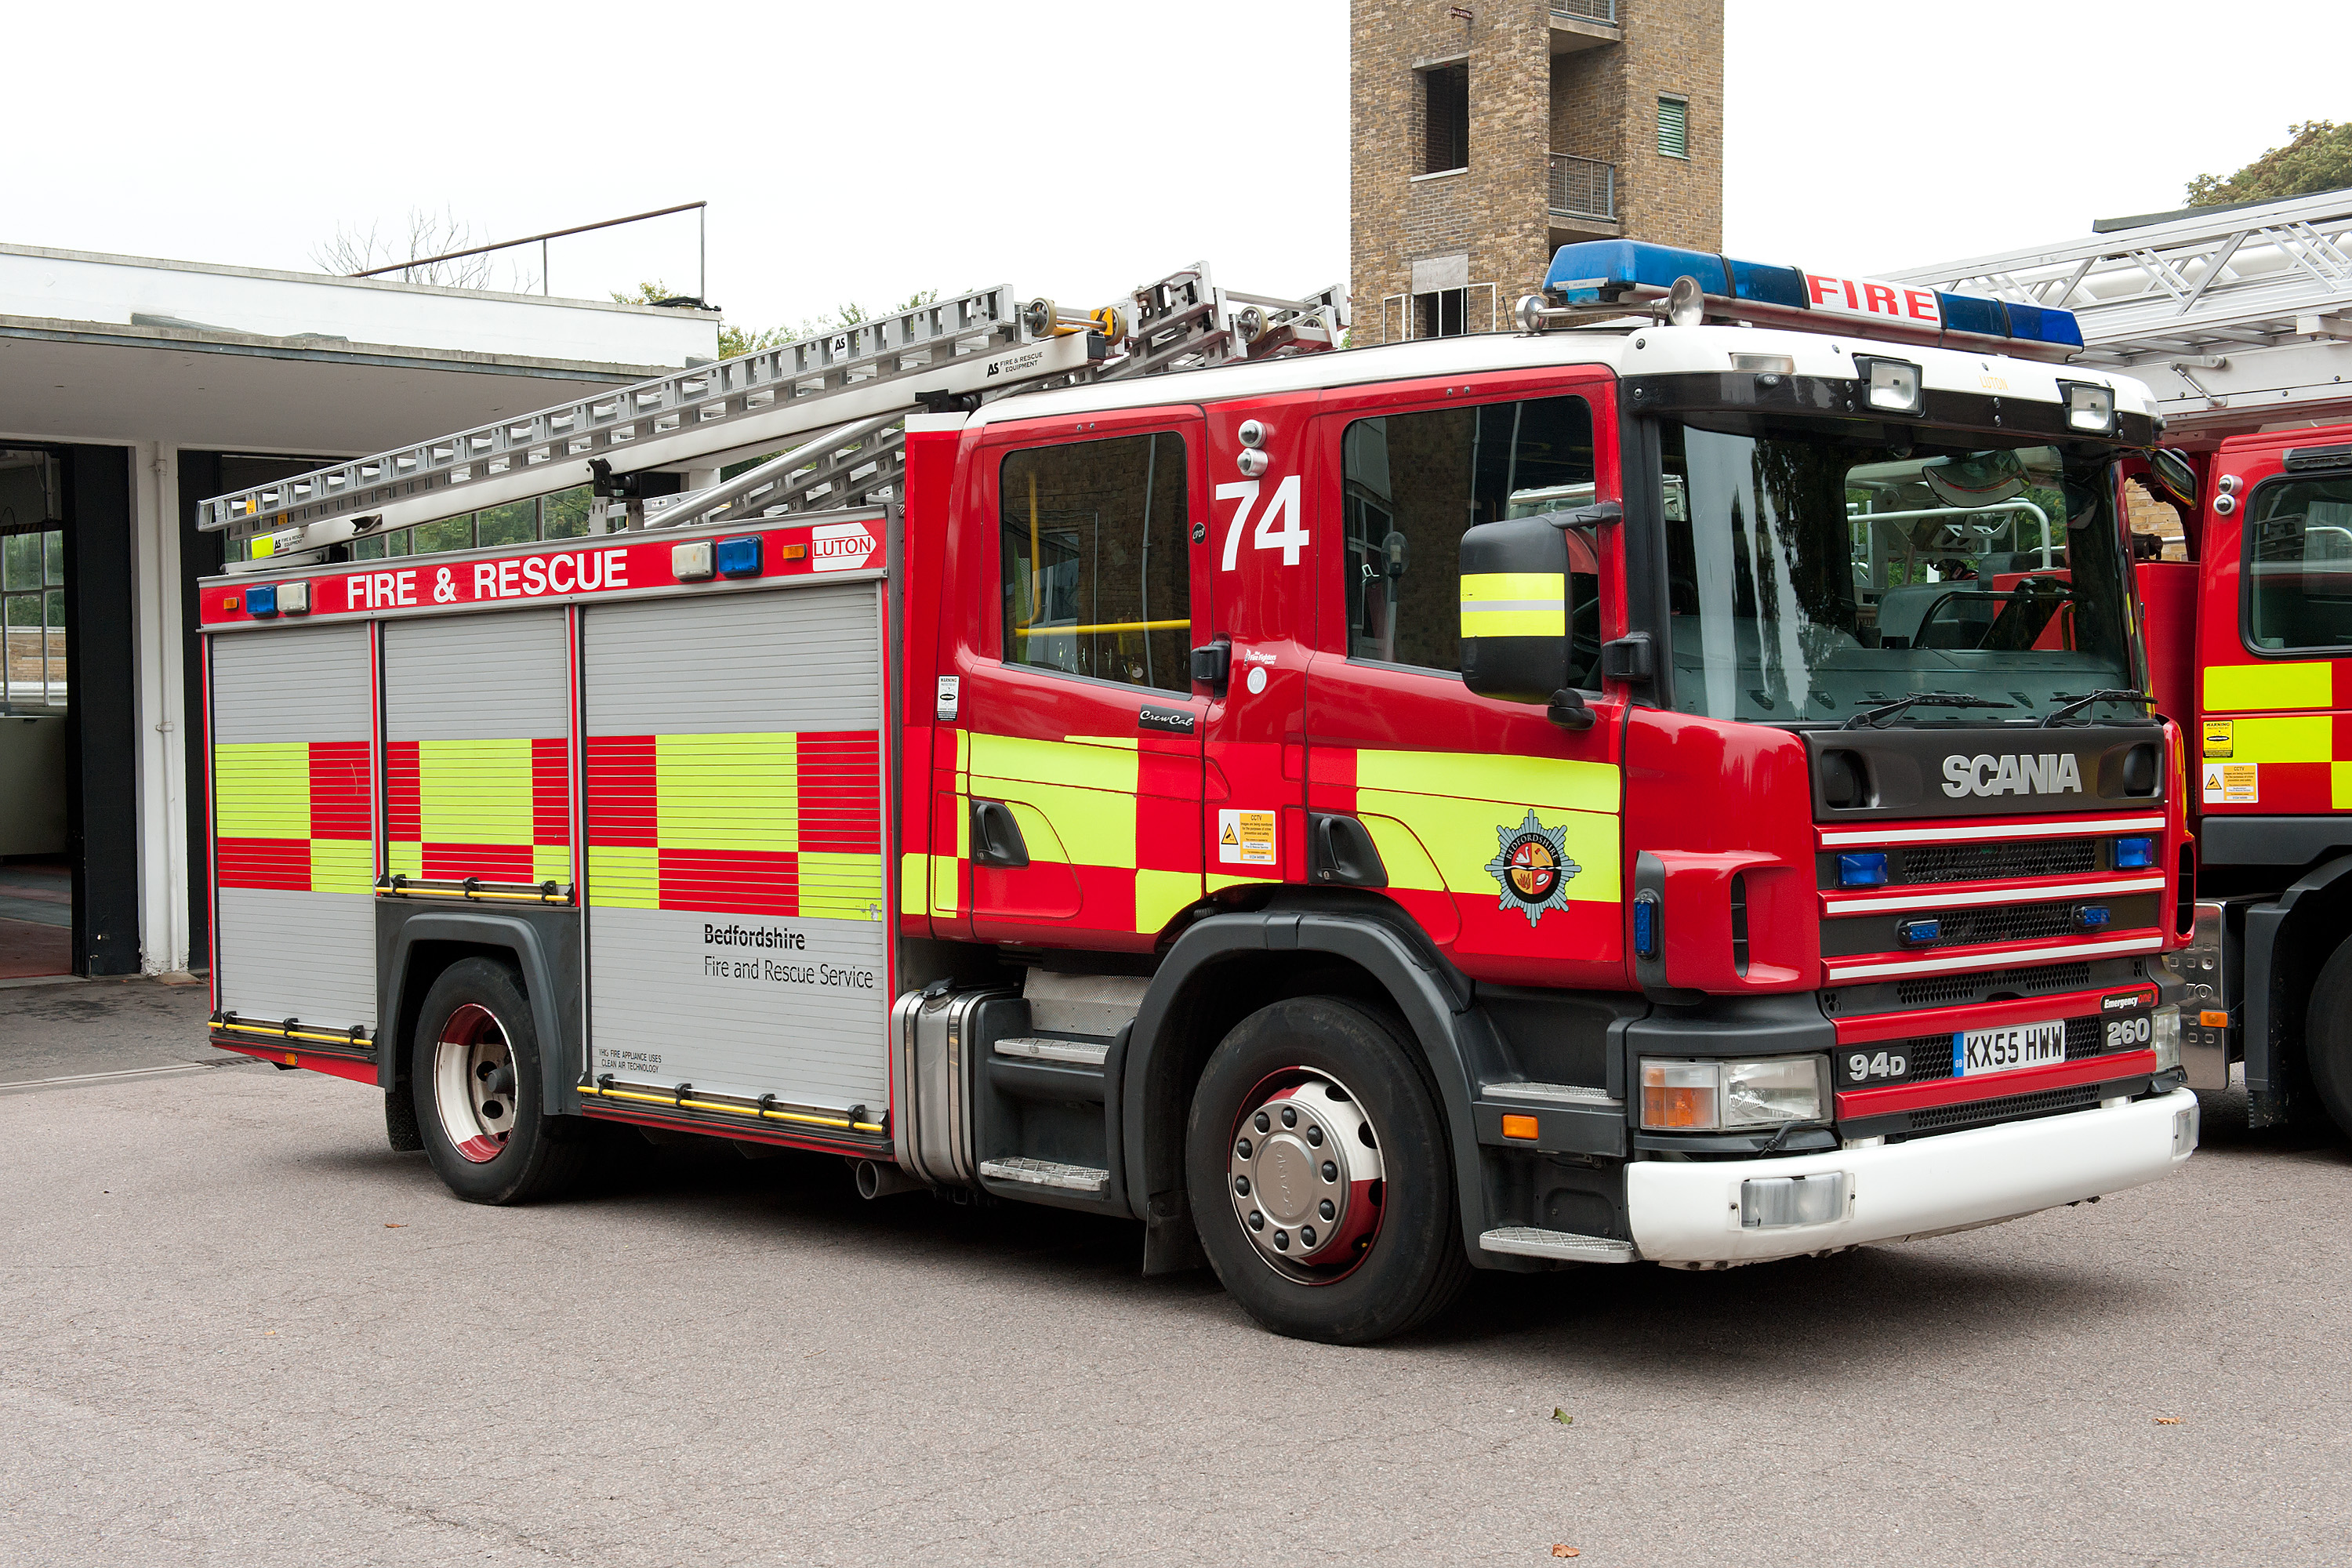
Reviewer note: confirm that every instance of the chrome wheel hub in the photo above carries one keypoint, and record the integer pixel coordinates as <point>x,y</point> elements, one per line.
<point>1305,1172</point>
<point>474,1083</point>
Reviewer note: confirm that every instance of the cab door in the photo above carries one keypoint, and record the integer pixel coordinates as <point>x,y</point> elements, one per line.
<point>1496,830</point>
<point>1078,733</point>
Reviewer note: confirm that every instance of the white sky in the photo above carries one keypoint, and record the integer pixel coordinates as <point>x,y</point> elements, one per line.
<point>1069,149</point>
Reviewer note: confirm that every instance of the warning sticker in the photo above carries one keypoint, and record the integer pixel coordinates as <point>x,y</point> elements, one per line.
<point>2232,784</point>
<point>1245,837</point>
<point>2220,736</point>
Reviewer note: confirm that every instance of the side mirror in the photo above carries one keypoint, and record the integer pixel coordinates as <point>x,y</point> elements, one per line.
<point>2173,472</point>
<point>1514,642</point>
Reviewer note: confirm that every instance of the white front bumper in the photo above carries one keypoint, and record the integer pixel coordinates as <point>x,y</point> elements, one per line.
<point>1686,1212</point>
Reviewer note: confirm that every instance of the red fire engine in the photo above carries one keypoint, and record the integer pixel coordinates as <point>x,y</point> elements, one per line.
<point>1646,788</point>
<point>2242,320</point>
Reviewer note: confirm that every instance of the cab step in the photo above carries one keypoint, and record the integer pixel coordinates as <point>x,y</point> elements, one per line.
<point>1037,1048</point>
<point>1046,1174</point>
<point>1529,1242</point>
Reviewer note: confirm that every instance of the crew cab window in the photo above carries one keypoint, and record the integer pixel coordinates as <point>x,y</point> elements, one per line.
<point>1097,571</point>
<point>2299,564</point>
<point>1413,482</point>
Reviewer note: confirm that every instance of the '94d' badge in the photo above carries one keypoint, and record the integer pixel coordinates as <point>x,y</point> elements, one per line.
<point>1533,867</point>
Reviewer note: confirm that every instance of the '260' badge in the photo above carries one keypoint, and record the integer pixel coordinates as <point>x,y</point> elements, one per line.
<point>1532,867</point>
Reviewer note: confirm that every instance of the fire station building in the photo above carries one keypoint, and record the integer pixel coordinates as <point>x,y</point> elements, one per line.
<point>131,388</point>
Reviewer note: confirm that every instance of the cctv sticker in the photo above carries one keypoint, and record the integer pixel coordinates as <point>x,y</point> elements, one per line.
<point>1245,838</point>
<point>2231,783</point>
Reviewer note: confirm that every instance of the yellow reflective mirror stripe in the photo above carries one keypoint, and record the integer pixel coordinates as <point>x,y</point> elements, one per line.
<point>2241,686</point>
<point>1514,604</point>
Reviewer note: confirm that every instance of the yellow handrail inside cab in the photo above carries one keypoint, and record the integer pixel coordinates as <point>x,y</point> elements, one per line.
<point>1036,593</point>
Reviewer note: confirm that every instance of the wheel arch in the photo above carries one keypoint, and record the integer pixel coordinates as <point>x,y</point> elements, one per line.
<point>416,951</point>
<point>1227,966</point>
<point>2288,940</point>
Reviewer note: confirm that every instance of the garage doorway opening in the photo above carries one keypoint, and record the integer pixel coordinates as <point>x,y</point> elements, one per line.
<point>37,884</point>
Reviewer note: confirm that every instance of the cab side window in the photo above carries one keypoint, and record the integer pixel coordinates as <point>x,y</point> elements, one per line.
<point>1412,483</point>
<point>1097,571</point>
<point>2299,565</point>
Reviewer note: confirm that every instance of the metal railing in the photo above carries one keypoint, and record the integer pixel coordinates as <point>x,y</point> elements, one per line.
<point>1601,11</point>
<point>1583,188</point>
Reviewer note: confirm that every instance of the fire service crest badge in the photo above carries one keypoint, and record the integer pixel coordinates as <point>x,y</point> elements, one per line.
<point>1532,866</point>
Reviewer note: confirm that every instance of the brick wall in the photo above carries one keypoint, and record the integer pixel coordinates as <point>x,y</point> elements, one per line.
<point>1525,103</point>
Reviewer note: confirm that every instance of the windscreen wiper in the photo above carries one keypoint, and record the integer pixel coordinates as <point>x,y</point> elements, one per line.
<point>2050,720</point>
<point>1876,716</point>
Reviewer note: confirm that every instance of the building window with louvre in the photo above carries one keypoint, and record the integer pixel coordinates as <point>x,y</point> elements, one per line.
<point>1674,125</point>
<point>1445,117</point>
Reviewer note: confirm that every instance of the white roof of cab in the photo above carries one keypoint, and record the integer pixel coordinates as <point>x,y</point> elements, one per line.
<point>1646,351</point>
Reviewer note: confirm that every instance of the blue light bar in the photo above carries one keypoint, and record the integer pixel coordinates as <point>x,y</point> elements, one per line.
<point>1606,272</point>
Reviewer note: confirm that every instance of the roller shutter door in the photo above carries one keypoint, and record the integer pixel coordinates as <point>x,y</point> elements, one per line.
<point>293,825</point>
<point>735,828</point>
<point>477,726</point>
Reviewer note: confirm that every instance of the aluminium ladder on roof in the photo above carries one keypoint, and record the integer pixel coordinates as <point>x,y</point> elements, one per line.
<point>844,395</point>
<point>2237,319</point>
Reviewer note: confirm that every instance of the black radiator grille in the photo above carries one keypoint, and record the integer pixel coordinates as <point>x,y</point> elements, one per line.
<point>2002,922</point>
<point>2010,1108</point>
<point>1997,862</point>
<point>1936,989</point>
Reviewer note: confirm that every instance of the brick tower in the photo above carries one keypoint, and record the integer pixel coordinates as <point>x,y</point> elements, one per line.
<point>1485,135</point>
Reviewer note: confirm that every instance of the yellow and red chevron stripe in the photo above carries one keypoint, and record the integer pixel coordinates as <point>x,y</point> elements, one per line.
<point>293,815</point>
<point>773,823</point>
<point>496,809</point>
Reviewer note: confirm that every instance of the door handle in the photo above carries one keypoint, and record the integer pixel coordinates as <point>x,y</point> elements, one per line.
<point>996,838</point>
<point>1212,663</point>
<point>1341,854</point>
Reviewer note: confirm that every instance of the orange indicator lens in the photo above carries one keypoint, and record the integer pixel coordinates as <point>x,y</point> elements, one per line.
<point>1518,1127</point>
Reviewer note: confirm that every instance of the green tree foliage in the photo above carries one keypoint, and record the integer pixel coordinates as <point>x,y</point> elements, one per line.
<point>2318,158</point>
<point>734,340</point>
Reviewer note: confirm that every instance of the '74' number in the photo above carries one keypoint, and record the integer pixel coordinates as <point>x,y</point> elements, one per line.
<point>1278,527</point>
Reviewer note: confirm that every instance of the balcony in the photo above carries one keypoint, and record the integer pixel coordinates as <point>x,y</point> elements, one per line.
<point>1584,189</point>
<point>1583,25</point>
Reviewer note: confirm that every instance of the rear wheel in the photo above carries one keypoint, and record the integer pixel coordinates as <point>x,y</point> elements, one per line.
<point>476,1082</point>
<point>1320,1177</point>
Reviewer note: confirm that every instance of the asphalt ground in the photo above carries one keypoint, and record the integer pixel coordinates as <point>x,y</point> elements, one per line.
<point>235,1328</point>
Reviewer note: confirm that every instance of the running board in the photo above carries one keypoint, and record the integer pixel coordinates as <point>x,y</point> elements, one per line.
<point>1046,1174</point>
<point>1529,1242</point>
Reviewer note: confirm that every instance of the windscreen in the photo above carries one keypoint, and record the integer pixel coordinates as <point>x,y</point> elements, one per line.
<point>1814,572</point>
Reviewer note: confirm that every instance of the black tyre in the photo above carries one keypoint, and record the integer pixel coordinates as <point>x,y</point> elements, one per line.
<point>476,1084</point>
<point>2327,1038</point>
<point>1320,1177</point>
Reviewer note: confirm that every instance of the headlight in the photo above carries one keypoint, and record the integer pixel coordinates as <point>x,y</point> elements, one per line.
<point>1707,1096</point>
<point>2164,1034</point>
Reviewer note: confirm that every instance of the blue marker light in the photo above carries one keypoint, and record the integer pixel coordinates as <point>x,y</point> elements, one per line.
<point>2091,917</point>
<point>739,557</point>
<point>261,600</point>
<point>1645,925</point>
<point>1918,933</point>
<point>2134,853</point>
<point>1862,870</point>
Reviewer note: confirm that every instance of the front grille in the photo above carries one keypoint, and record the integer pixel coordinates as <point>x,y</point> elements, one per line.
<point>1940,989</point>
<point>2010,1107</point>
<point>1997,862</point>
<point>2002,922</point>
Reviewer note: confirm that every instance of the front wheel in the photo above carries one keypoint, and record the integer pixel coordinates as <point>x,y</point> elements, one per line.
<point>2327,1038</point>
<point>1320,1177</point>
<point>475,1081</point>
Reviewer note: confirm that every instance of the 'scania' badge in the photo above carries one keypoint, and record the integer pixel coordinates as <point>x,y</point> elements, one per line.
<point>1533,867</point>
